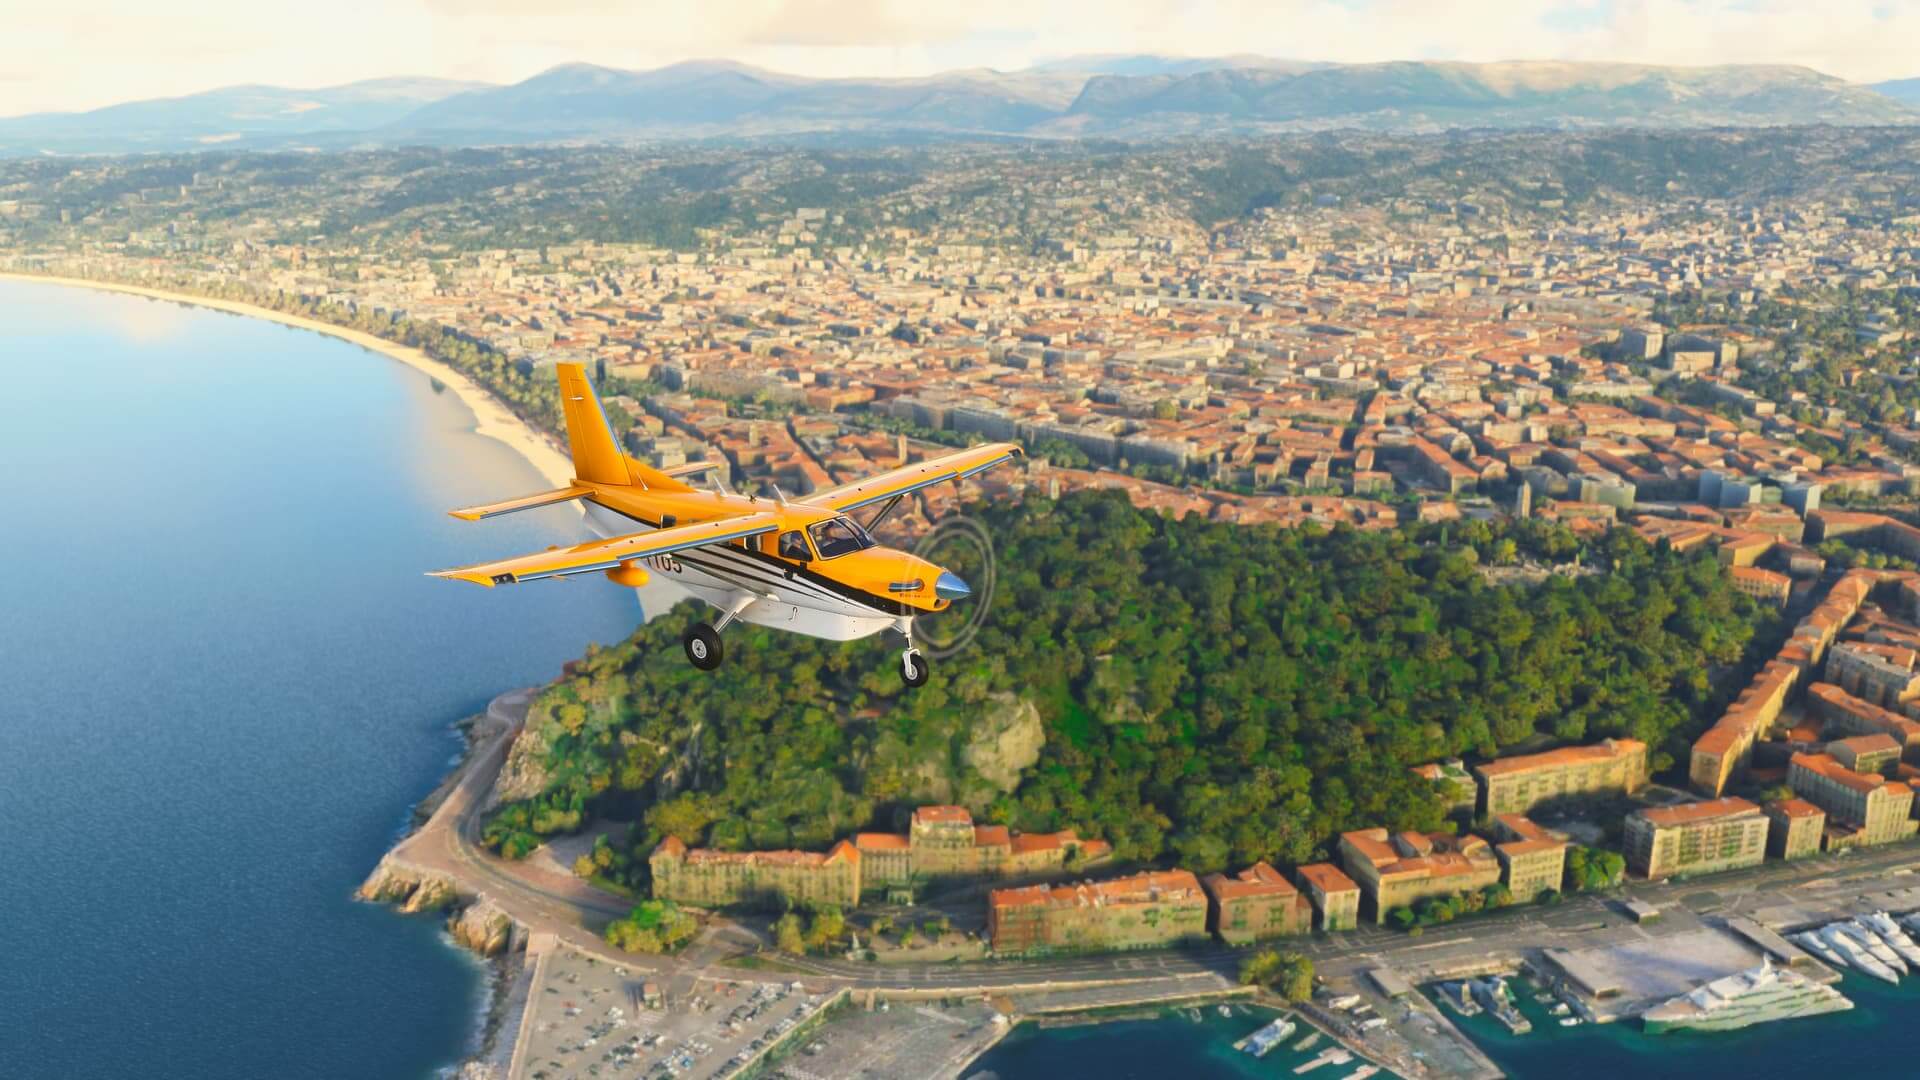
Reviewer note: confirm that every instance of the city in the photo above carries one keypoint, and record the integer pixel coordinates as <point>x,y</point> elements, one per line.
<point>1457,609</point>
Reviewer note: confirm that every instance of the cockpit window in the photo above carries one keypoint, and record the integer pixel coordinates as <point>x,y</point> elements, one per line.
<point>838,537</point>
<point>794,546</point>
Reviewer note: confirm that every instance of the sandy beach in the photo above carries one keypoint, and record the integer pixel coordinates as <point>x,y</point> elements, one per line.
<point>492,418</point>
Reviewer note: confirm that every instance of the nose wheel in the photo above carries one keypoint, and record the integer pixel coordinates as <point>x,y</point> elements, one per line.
<point>702,643</point>
<point>913,668</point>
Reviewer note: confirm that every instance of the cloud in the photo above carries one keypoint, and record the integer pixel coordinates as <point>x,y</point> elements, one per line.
<point>60,57</point>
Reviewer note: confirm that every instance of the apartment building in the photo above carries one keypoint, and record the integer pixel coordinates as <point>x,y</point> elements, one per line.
<point>942,844</point>
<point>1138,912</point>
<point>1702,838</point>
<point>1532,858</point>
<point>1862,809</point>
<point>1517,785</point>
<point>1335,896</point>
<point>1795,828</point>
<point>1254,904</point>
<point>1401,869</point>
<point>767,879</point>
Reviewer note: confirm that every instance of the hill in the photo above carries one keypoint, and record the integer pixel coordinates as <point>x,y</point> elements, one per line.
<point>1191,691</point>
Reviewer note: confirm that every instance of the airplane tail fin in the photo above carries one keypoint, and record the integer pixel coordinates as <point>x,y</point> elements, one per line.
<point>596,455</point>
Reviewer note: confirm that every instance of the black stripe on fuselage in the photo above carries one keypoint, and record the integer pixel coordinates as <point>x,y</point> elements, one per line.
<point>758,565</point>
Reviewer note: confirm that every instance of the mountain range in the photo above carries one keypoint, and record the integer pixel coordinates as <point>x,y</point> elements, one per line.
<point>1142,96</point>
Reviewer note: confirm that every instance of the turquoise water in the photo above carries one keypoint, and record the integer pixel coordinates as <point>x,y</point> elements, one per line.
<point>1881,1019</point>
<point>225,682</point>
<point>1879,1028</point>
<point>1176,1045</point>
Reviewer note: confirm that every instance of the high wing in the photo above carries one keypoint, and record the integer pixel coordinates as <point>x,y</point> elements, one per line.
<point>910,478</point>
<point>607,554</point>
<point>525,502</point>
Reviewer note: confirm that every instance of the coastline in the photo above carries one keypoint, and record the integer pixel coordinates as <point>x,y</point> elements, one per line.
<point>492,418</point>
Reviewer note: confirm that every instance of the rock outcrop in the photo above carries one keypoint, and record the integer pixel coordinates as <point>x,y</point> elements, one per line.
<point>482,926</point>
<point>476,923</point>
<point>1007,742</point>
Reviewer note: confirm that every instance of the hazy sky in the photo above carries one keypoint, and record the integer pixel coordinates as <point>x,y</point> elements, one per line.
<point>77,54</point>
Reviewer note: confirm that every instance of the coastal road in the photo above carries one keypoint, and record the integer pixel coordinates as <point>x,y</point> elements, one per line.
<point>575,911</point>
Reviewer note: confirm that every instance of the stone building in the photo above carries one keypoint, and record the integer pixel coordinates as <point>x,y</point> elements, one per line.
<point>1723,750</point>
<point>1702,837</point>
<point>1335,897</point>
<point>1872,671</point>
<point>942,844</point>
<point>1138,912</point>
<point>1533,859</point>
<point>1517,785</point>
<point>1400,870</point>
<point>1863,809</point>
<point>1254,904</point>
<point>1849,715</point>
<point>705,878</point>
<point>1877,753</point>
<point>1795,828</point>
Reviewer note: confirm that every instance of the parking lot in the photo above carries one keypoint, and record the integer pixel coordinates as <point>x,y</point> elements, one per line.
<point>592,1018</point>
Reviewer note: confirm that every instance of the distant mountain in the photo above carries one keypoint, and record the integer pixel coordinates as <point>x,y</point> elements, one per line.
<point>1129,96</point>
<point>1906,91</point>
<point>717,97</point>
<point>1516,94</point>
<point>235,114</point>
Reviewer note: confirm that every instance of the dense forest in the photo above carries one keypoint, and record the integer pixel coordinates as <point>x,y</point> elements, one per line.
<point>1209,694</point>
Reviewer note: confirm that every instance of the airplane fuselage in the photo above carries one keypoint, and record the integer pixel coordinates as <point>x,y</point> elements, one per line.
<point>847,596</point>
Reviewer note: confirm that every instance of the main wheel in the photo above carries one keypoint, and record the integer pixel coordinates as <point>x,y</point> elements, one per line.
<point>913,668</point>
<point>702,643</point>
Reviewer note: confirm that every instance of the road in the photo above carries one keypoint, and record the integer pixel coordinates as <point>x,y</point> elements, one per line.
<point>574,911</point>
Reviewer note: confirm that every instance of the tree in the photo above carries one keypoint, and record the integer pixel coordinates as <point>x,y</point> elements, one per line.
<point>787,935</point>
<point>651,927</point>
<point>1288,974</point>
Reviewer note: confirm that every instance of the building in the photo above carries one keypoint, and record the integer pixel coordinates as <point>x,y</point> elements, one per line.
<point>1696,838</point>
<point>1453,778</point>
<point>1876,672</point>
<point>1402,869</point>
<point>1796,826</point>
<point>707,878</point>
<point>1138,912</point>
<point>1876,753</point>
<point>1533,859</point>
<point>1723,750</point>
<point>1862,808</point>
<point>1517,785</point>
<point>1763,585</point>
<point>1254,904</point>
<point>942,843</point>
<point>1335,896</point>
<point>1849,715</point>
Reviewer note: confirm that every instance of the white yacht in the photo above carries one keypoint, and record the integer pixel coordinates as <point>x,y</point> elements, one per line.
<point>1882,923</point>
<point>1858,956</point>
<point>1871,942</point>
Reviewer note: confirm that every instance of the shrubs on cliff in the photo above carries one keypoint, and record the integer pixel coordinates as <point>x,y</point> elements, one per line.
<point>1210,694</point>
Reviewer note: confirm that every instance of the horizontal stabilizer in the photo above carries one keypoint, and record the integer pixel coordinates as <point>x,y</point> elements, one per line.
<point>524,502</point>
<point>692,467</point>
<point>910,478</point>
<point>607,554</point>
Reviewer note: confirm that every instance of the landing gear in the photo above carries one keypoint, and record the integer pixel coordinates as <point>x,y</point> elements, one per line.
<point>702,643</point>
<point>913,668</point>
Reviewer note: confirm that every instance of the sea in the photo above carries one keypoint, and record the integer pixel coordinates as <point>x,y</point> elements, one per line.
<point>224,682</point>
<point>1200,1043</point>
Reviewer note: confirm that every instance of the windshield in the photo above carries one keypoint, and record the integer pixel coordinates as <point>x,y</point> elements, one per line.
<point>839,537</point>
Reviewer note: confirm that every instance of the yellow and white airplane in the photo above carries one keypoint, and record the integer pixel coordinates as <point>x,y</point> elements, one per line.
<point>805,566</point>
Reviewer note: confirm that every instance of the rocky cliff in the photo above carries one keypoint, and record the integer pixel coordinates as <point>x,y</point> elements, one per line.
<point>476,923</point>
